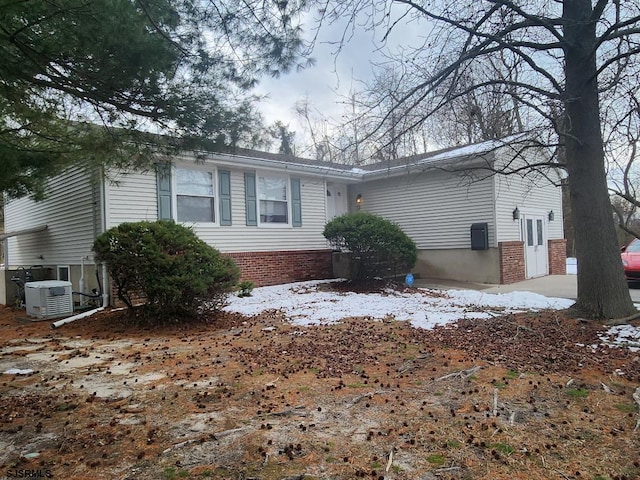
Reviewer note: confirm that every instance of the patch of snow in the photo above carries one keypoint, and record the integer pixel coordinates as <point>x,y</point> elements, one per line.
<point>572,266</point>
<point>622,336</point>
<point>304,304</point>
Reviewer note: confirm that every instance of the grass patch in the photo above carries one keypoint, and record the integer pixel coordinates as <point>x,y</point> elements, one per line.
<point>171,473</point>
<point>625,407</point>
<point>503,448</point>
<point>512,375</point>
<point>453,444</point>
<point>436,459</point>
<point>577,392</point>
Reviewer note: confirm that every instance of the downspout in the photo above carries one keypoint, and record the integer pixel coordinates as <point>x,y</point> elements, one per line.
<point>81,283</point>
<point>106,285</point>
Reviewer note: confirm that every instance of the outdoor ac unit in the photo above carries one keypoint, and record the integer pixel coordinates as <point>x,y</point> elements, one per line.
<point>48,299</point>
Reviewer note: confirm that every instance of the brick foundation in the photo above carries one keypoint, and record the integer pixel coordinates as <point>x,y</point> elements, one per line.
<point>557,256</point>
<point>272,268</point>
<point>512,267</point>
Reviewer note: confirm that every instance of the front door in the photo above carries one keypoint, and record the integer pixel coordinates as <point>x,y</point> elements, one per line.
<point>536,256</point>
<point>336,200</point>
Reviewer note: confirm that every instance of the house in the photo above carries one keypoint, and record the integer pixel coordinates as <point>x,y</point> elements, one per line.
<point>268,212</point>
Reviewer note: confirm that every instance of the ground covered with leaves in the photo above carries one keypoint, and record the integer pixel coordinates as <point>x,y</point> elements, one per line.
<point>531,395</point>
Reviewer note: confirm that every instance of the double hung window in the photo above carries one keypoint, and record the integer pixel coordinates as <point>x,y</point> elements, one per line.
<point>195,197</point>
<point>272,195</point>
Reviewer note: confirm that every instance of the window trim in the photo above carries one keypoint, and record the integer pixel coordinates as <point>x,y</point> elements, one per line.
<point>287,183</point>
<point>216,201</point>
<point>61,267</point>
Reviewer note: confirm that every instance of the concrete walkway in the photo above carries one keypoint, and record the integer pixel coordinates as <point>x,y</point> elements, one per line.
<point>563,286</point>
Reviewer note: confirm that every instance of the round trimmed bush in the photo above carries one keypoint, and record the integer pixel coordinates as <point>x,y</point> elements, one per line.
<point>166,267</point>
<point>378,247</point>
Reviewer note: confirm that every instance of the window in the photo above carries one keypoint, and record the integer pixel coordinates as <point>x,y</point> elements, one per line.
<point>540,237</point>
<point>63,273</point>
<point>529,232</point>
<point>272,194</point>
<point>195,196</point>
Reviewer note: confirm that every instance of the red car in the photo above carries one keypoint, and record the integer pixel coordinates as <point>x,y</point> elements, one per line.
<point>631,261</point>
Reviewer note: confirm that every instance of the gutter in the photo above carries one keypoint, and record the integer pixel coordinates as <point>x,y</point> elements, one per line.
<point>261,163</point>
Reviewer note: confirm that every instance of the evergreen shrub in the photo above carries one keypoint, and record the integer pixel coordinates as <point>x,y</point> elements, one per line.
<point>166,267</point>
<point>377,247</point>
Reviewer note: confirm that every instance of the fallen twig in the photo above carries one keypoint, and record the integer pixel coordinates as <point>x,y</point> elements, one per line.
<point>636,397</point>
<point>495,402</point>
<point>410,364</point>
<point>390,460</point>
<point>369,395</point>
<point>462,373</point>
<point>440,471</point>
<point>209,436</point>
<point>606,388</point>
<point>285,413</point>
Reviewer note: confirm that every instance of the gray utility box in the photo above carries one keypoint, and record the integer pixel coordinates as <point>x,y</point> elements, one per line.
<point>48,299</point>
<point>479,236</point>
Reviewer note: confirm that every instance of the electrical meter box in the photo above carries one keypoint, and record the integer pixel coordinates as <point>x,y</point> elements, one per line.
<point>480,236</point>
<point>48,299</point>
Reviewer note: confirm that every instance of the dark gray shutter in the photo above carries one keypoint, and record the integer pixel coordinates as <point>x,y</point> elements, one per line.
<point>163,177</point>
<point>296,203</point>
<point>250,200</point>
<point>224,180</point>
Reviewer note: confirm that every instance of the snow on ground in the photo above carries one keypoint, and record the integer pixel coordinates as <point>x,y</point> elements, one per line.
<point>622,336</point>
<point>307,303</point>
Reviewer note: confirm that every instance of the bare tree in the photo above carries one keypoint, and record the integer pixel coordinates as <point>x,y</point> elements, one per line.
<point>578,57</point>
<point>479,114</point>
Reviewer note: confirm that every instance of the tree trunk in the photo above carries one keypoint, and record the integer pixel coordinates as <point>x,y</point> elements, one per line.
<point>602,290</point>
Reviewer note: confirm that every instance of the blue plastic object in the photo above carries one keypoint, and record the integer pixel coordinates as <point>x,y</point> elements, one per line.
<point>409,279</point>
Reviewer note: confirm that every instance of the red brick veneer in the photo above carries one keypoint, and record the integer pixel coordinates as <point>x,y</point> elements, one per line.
<point>272,268</point>
<point>557,256</point>
<point>511,262</point>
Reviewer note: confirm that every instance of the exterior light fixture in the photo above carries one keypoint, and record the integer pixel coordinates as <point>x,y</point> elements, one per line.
<point>359,200</point>
<point>551,215</point>
<point>516,214</point>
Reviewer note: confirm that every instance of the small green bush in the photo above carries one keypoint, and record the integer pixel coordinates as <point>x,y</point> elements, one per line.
<point>245,288</point>
<point>167,267</point>
<point>377,246</point>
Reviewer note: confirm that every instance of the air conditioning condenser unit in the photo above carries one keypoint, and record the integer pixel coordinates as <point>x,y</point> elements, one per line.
<point>48,299</point>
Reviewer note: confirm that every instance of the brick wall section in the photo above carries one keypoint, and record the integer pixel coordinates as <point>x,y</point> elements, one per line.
<point>511,262</point>
<point>273,268</point>
<point>557,256</point>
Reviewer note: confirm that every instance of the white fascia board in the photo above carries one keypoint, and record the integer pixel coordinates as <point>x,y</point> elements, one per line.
<point>230,160</point>
<point>431,164</point>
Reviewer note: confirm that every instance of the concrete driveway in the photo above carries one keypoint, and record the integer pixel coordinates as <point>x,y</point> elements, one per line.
<point>563,286</point>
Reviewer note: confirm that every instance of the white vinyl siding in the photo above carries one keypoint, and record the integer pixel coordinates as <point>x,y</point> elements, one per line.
<point>533,194</point>
<point>242,238</point>
<point>71,216</point>
<point>134,198</point>
<point>435,208</point>
<point>131,197</point>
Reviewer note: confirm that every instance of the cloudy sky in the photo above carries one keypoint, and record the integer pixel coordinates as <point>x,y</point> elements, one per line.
<point>333,76</point>
<point>324,82</point>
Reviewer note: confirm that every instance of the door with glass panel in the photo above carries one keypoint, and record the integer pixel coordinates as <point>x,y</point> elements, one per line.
<point>535,241</point>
